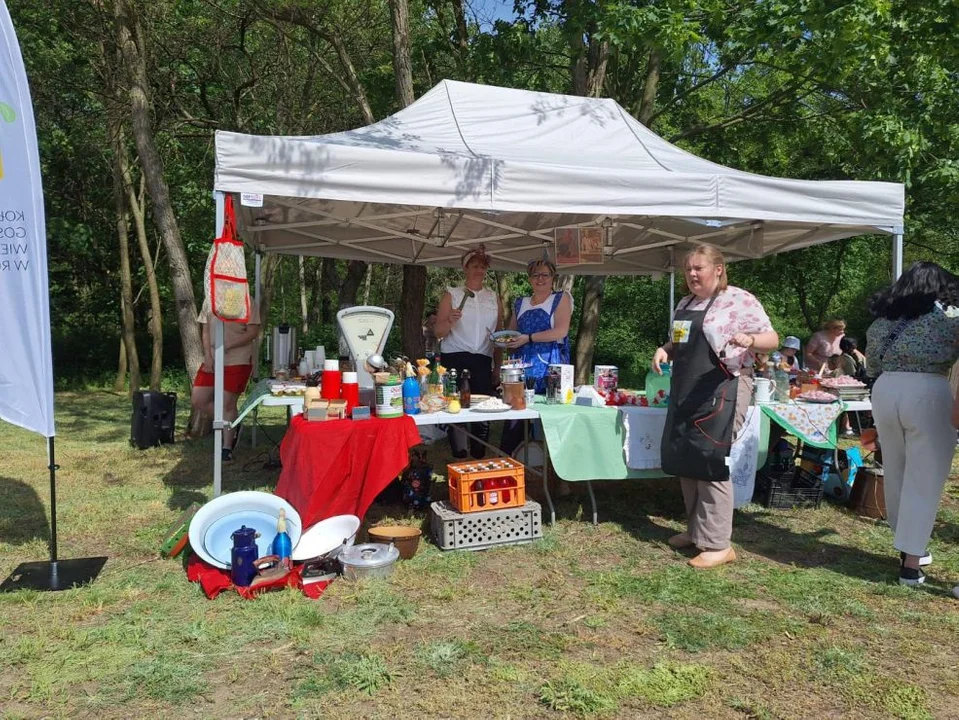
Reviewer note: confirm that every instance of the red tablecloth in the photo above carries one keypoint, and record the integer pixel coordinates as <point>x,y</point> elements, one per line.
<point>338,467</point>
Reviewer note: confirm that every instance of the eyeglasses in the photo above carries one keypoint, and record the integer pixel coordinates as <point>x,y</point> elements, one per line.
<point>541,276</point>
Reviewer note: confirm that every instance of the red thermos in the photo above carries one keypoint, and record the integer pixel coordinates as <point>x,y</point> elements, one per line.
<point>350,391</point>
<point>330,382</point>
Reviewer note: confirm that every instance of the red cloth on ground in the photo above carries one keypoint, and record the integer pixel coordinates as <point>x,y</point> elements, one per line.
<point>214,580</point>
<point>338,467</point>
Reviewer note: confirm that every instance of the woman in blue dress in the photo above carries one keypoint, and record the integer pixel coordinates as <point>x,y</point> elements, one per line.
<point>542,319</point>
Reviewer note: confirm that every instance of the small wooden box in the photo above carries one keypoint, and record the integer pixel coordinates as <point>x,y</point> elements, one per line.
<point>177,536</point>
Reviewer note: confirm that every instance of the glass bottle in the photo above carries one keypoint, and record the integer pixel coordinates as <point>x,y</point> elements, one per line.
<point>465,390</point>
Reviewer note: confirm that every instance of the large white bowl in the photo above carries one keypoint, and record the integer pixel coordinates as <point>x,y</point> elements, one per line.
<point>326,536</point>
<point>211,529</point>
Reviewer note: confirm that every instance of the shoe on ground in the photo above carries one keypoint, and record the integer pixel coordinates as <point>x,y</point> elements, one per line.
<point>924,561</point>
<point>713,558</point>
<point>226,455</point>
<point>911,577</point>
<point>680,541</point>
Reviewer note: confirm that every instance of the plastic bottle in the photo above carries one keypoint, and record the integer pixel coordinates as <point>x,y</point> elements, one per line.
<point>657,386</point>
<point>411,393</point>
<point>282,547</point>
<point>350,391</point>
<point>330,382</point>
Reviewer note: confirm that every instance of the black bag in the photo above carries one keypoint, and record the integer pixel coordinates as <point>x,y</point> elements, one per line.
<point>154,418</point>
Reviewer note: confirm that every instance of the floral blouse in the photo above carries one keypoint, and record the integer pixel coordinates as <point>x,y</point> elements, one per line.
<point>735,311</point>
<point>927,344</point>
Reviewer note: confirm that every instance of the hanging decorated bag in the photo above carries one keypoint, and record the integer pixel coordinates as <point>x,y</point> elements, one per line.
<point>227,290</point>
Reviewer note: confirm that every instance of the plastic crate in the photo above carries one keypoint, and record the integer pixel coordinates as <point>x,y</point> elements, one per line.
<point>452,530</point>
<point>507,474</point>
<point>793,488</point>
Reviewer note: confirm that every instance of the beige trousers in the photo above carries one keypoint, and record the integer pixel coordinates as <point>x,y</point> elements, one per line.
<point>912,412</point>
<point>709,505</point>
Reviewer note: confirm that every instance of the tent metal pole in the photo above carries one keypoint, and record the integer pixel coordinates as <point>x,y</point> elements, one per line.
<point>896,256</point>
<point>218,373</point>
<point>257,258</point>
<point>53,499</point>
<point>672,296</point>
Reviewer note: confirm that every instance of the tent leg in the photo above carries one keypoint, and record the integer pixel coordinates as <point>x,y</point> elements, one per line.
<point>258,256</point>
<point>672,297</point>
<point>55,574</point>
<point>896,256</point>
<point>218,373</point>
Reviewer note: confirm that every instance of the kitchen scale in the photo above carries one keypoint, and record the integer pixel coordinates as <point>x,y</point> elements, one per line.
<point>365,329</point>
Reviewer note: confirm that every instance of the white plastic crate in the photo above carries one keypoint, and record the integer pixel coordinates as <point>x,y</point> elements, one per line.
<point>454,530</point>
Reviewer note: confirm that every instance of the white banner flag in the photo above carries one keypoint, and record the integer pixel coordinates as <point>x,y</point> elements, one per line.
<point>26,370</point>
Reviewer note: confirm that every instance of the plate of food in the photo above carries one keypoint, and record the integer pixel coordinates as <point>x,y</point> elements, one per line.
<point>818,396</point>
<point>490,405</point>
<point>503,337</point>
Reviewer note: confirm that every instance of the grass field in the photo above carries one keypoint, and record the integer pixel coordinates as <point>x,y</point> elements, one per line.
<point>601,621</point>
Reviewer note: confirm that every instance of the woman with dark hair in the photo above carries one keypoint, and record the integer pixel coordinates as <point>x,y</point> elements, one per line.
<point>913,343</point>
<point>851,361</point>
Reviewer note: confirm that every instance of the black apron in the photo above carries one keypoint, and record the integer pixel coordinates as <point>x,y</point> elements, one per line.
<point>702,403</point>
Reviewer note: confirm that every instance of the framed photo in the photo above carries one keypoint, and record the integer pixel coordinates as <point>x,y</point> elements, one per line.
<point>567,245</point>
<point>591,245</point>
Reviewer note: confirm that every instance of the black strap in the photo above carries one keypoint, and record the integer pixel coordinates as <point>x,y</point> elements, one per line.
<point>891,338</point>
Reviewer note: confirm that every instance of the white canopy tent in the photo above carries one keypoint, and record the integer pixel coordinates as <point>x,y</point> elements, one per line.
<point>470,163</point>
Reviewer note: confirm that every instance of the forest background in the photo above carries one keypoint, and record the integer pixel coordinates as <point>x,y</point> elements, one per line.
<point>128,94</point>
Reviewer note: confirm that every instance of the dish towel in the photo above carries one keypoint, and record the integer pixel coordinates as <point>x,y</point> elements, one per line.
<point>214,580</point>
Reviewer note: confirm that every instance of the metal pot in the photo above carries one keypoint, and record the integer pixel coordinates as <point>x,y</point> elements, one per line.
<point>512,374</point>
<point>369,560</point>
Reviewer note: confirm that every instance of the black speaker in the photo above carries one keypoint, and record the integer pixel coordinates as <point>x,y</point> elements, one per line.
<point>154,418</point>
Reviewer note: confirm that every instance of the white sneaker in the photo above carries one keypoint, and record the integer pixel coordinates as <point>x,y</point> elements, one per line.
<point>924,561</point>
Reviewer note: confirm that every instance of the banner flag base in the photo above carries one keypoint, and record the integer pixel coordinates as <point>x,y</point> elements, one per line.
<point>51,576</point>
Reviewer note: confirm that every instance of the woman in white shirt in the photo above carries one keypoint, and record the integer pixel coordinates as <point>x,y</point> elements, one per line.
<point>464,323</point>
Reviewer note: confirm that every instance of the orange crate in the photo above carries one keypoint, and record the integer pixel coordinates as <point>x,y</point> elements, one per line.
<point>503,478</point>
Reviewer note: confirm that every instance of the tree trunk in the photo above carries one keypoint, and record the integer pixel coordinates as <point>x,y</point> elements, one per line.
<point>304,307</point>
<point>330,279</point>
<point>126,280</point>
<point>316,294</point>
<point>120,382</point>
<point>413,297</point>
<point>355,270</point>
<point>414,287</point>
<point>130,41</point>
<point>369,281</point>
<point>462,38</point>
<point>588,326</point>
<point>402,68</point>
<point>502,290</point>
<point>137,203</point>
<point>589,75</point>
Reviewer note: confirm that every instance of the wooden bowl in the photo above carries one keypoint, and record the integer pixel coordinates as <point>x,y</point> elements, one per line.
<point>405,538</point>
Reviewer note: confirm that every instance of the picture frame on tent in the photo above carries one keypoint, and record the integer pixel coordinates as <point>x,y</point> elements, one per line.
<point>566,240</point>
<point>591,245</point>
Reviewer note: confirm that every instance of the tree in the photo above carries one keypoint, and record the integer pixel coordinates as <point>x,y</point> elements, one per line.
<point>131,41</point>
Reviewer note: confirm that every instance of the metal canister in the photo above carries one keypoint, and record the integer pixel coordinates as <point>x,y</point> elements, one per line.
<point>512,374</point>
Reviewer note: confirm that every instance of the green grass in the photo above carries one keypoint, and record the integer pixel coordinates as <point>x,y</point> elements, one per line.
<point>601,621</point>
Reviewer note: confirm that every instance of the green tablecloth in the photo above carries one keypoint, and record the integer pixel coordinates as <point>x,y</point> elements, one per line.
<point>586,443</point>
<point>814,424</point>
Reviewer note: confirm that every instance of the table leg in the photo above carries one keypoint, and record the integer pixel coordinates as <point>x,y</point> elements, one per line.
<point>253,432</point>
<point>592,498</point>
<point>549,499</point>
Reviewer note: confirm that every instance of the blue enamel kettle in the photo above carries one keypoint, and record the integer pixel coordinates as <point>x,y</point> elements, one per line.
<point>243,556</point>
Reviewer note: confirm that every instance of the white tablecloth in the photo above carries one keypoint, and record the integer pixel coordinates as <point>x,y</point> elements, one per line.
<point>644,433</point>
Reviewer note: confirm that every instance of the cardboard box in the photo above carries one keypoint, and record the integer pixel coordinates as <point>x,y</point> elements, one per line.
<point>317,410</point>
<point>336,410</point>
<point>566,389</point>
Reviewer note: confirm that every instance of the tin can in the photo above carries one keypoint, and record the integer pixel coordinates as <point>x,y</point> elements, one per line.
<point>389,399</point>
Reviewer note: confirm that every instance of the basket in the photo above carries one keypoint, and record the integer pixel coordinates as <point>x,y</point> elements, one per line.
<point>792,488</point>
<point>868,496</point>
<point>453,530</point>
<point>481,485</point>
<point>406,539</point>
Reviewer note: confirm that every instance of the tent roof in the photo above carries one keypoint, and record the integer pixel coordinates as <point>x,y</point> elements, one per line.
<point>470,163</point>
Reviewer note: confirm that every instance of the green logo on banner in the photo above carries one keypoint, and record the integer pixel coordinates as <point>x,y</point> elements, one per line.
<point>7,114</point>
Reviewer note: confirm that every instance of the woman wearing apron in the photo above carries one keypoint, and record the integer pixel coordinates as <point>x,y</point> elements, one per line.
<point>716,331</point>
<point>543,321</point>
